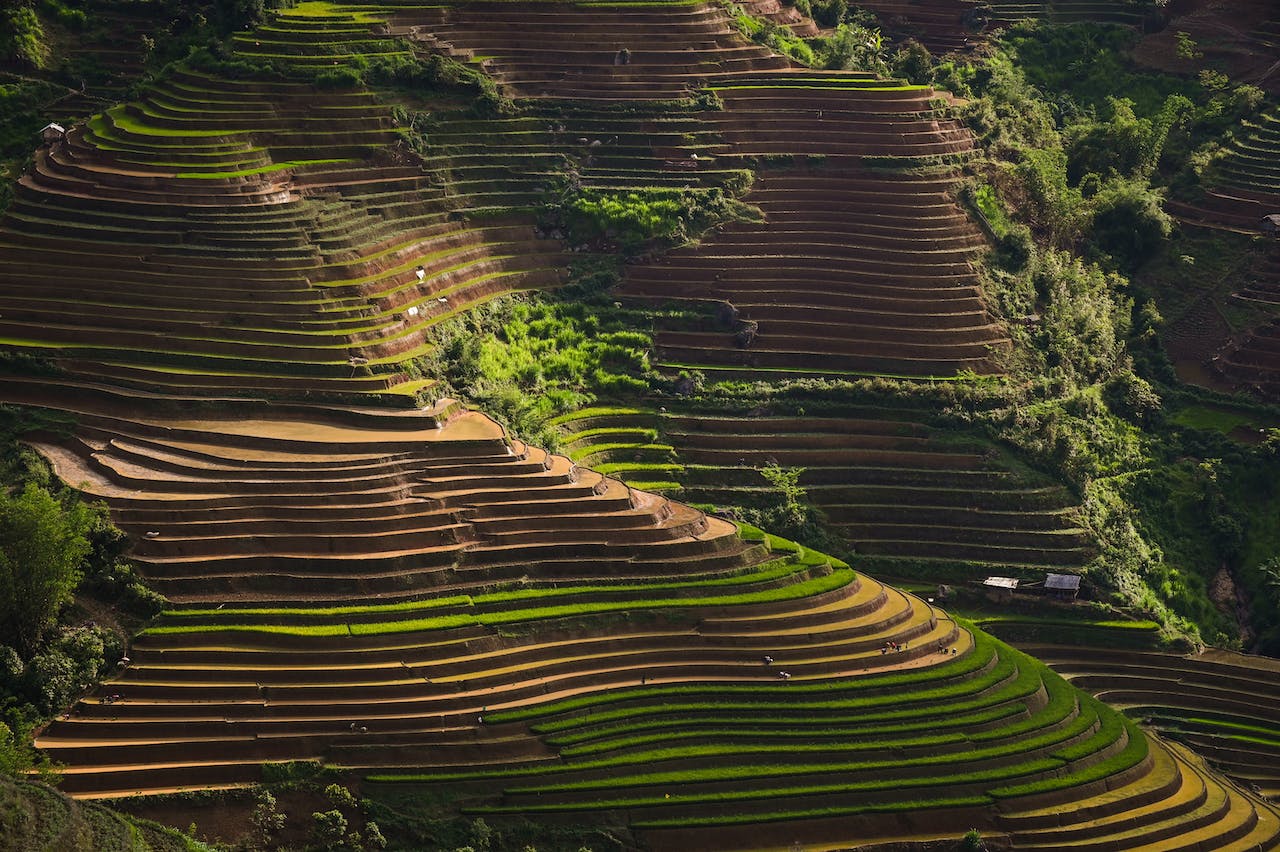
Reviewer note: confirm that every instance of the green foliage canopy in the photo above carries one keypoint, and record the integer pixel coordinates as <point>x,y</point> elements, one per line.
<point>42,544</point>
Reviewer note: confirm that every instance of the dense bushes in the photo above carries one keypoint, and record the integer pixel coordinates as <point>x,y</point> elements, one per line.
<point>1087,169</point>
<point>45,546</point>
<point>641,218</point>
<point>1084,318</point>
<point>51,546</point>
<point>851,47</point>
<point>433,74</point>
<point>777,38</point>
<point>22,36</point>
<point>526,359</point>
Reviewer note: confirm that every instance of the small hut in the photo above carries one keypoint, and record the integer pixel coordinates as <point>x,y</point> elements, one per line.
<point>52,132</point>
<point>1062,586</point>
<point>1000,589</point>
<point>1270,225</point>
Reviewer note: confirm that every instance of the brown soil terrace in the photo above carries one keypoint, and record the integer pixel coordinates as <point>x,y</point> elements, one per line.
<point>189,256</point>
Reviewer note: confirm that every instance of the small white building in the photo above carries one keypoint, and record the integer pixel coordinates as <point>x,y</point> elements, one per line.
<point>1270,225</point>
<point>1000,589</point>
<point>52,132</point>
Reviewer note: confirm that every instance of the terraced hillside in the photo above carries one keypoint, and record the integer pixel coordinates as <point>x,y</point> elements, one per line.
<point>945,26</point>
<point>354,244</point>
<point>771,110</point>
<point>853,271</point>
<point>474,609</point>
<point>1244,184</point>
<point>414,597</point>
<point>149,211</point>
<point>1220,704</point>
<point>837,756</point>
<point>1242,187</point>
<point>895,489</point>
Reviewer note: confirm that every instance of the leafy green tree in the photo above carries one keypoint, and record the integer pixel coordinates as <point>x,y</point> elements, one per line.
<point>1085,317</point>
<point>1187,47</point>
<point>373,838</point>
<point>14,756</point>
<point>22,37</point>
<point>42,545</point>
<point>1129,225</point>
<point>266,819</point>
<point>481,834</point>
<point>339,796</point>
<point>329,829</point>
<point>854,46</point>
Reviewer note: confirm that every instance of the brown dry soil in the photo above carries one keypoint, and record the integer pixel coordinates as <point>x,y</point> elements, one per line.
<point>224,818</point>
<point>1225,32</point>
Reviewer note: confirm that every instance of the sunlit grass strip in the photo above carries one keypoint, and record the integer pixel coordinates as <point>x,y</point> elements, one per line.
<point>1050,621</point>
<point>274,167</point>
<point>650,435</point>
<point>817,813</point>
<point>1001,704</point>
<point>636,467</point>
<point>1135,751</point>
<point>776,791</point>
<point>702,774</point>
<point>313,9</point>
<point>803,589</point>
<point>599,411</point>
<point>597,449</point>
<point>877,736</point>
<point>655,485</point>
<point>834,86</point>
<point>1062,702</point>
<point>775,570</point>
<point>1204,726</point>
<point>129,124</point>
<point>1011,695</point>
<point>712,369</point>
<point>757,698</point>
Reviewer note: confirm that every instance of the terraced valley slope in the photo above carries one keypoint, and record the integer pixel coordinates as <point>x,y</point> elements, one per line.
<point>224,285</point>
<point>473,610</point>
<point>1243,186</point>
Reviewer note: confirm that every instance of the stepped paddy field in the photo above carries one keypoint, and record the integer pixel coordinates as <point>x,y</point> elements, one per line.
<point>634,425</point>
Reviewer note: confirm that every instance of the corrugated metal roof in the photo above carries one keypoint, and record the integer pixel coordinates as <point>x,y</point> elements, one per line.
<point>1066,582</point>
<point>1001,582</point>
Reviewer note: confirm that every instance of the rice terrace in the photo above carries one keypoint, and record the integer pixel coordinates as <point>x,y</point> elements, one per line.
<point>674,425</point>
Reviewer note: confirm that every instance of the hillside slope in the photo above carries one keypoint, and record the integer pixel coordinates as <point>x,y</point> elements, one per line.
<point>225,283</point>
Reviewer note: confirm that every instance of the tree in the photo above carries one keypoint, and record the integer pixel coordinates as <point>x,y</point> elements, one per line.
<point>792,513</point>
<point>330,829</point>
<point>266,819</point>
<point>42,544</point>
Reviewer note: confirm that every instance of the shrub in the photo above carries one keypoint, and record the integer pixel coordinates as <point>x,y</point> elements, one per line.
<point>22,37</point>
<point>329,829</point>
<point>1085,317</point>
<point>1015,248</point>
<point>339,796</point>
<point>829,13</point>
<point>854,46</point>
<point>266,819</point>
<point>1128,225</point>
<point>640,218</point>
<point>914,62</point>
<point>341,77</point>
<point>1132,397</point>
<point>1117,146</point>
